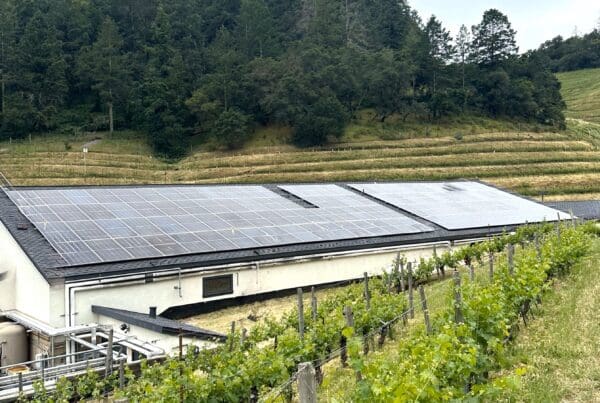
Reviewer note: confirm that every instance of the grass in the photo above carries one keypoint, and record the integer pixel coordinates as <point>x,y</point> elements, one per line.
<point>513,155</point>
<point>561,348</point>
<point>581,92</point>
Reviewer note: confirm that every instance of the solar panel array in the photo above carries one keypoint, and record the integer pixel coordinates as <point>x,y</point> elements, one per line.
<point>93,225</point>
<point>458,205</point>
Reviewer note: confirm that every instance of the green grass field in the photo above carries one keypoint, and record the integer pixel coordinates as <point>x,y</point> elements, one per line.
<point>513,155</point>
<point>560,350</point>
<point>581,92</point>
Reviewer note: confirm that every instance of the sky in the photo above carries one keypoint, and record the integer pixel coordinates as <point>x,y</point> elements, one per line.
<point>534,20</point>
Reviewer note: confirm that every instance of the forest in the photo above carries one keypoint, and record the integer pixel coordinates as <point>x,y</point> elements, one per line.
<point>574,53</point>
<point>218,69</point>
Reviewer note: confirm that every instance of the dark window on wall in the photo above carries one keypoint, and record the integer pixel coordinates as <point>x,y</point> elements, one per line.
<point>218,285</point>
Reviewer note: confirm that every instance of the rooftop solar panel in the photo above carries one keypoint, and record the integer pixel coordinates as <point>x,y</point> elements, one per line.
<point>94,225</point>
<point>459,205</point>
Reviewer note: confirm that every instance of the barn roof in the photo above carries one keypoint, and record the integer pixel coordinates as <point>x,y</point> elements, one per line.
<point>586,209</point>
<point>82,232</point>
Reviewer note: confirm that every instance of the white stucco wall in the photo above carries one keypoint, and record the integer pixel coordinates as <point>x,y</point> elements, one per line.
<point>139,296</point>
<point>24,288</point>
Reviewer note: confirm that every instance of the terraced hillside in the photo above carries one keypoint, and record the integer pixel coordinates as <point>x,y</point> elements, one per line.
<point>531,163</point>
<point>559,165</point>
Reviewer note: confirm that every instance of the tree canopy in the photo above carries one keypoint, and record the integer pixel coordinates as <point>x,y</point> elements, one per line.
<point>217,69</point>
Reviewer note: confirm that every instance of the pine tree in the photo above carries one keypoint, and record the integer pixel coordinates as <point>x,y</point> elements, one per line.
<point>164,90</point>
<point>440,47</point>
<point>42,70</point>
<point>105,67</point>
<point>463,46</point>
<point>8,24</point>
<point>256,28</point>
<point>493,39</point>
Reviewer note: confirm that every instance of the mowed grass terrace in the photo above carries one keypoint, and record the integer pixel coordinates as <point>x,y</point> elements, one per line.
<point>559,165</point>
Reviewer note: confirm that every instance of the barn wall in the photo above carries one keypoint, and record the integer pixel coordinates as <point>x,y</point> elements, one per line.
<point>246,281</point>
<point>24,288</point>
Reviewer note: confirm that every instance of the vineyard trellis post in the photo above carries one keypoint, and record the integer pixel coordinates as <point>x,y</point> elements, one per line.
<point>411,303</point>
<point>510,253</point>
<point>558,227</point>
<point>300,314</point>
<point>232,335</point>
<point>307,383</point>
<point>402,287</point>
<point>425,310</point>
<point>313,303</point>
<point>349,317</point>
<point>367,293</point>
<point>471,271</point>
<point>538,247</point>
<point>109,354</point>
<point>437,270</point>
<point>458,313</point>
<point>491,256</point>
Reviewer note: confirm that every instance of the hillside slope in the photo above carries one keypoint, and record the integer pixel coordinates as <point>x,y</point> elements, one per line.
<point>559,165</point>
<point>581,92</point>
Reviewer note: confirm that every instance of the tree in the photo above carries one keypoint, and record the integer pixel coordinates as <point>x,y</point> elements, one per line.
<point>231,129</point>
<point>42,67</point>
<point>164,91</point>
<point>463,46</point>
<point>8,25</point>
<point>493,39</point>
<point>440,47</point>
<point>324,118</point>
<point>104,65</point>
<point>256,28</point>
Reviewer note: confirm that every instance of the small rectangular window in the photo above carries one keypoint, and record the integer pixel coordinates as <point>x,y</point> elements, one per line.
<point>218,285</point>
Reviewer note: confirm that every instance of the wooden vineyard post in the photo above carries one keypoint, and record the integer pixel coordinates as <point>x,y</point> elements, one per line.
<point>396,271</point>
<point>573,222</point>
<point>232,335</point>
<point>307,383</point>
<point>367,294</point>
<point>109,354</point>
<point>122,373</point>
<point>510,252</point>
<point>425,310</point>
<point>349,317</point>
<point>402,288</point>
<point>437,270</point>
<point>538,247</point>
<point>491,266</point>
<point>313,303</point>
<point>244,335</point>
<point>558,227</point>
<point>300,314</point>
<point>471,272</point>
<point>411,302</point>
<point>458,314</point>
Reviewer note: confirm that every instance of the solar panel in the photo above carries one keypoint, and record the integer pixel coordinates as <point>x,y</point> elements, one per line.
<point>93,225</point>
<point>460,205</point>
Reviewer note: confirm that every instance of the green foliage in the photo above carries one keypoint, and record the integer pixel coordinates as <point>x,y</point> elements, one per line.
<point>231,129</point>
<point>172,68</point>
<point>574,53</point>
<point>493,39</point>
<point>451,363</point>
<point>454,362</point>
<point>325,118</point>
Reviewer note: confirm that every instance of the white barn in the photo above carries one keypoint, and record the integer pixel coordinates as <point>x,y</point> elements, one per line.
<point>75,261</point>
